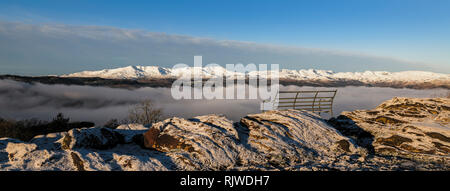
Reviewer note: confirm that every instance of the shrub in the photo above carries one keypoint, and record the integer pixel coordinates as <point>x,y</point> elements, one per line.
<point>145,113</point>
<point>19,129</point>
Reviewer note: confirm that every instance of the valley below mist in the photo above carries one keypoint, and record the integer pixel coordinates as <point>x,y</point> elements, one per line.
<point>22,100</point>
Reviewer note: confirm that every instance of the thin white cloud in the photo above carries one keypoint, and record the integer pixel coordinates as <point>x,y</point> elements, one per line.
<point>59,48</point>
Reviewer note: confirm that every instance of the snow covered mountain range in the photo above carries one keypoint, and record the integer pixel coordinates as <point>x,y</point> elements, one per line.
<point>146,72</point>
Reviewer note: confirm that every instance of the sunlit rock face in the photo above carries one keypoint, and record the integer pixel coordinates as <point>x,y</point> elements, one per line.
<point>409,127</point>
<point>287,138</point>
<point>270,140</point>
<point>206,142</point>
<point>273,140</point>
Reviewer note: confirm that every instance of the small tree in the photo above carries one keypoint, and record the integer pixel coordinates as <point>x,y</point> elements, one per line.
<point>145,113</point>
<point>59,120</point>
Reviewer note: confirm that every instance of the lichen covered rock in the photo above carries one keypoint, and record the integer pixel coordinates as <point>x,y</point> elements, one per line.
<point>287,137</point>
<point>204,142</point>
<point>409,127</point>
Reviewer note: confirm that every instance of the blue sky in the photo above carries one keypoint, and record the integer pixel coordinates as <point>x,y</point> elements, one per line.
<point>415,31</point>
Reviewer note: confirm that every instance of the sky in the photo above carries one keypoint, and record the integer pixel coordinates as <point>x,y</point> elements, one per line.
<point>55,37</point>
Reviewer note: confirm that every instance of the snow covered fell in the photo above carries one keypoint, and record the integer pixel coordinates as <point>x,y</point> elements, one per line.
<point>140,72</point>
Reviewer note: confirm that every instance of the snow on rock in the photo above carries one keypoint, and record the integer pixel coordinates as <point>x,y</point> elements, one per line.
<point>131,132</point>
<point>300,136</point>
<point>132,126</point>
<point>48,141</point>
<point>410,127</point>
<point>18,155</point>
<point>18,150</point>
<point>273,140</point>
<point>94,138</point>
<point>202,143</point>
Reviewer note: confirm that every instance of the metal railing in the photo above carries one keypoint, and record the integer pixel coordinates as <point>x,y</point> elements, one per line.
<point>315,101</point>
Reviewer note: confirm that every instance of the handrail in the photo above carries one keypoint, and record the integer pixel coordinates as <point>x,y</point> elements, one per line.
<point>303,97</point>
<point>303,101</point>
<point>304,105</point>
<point>317,102</point>
<point>307,91</point>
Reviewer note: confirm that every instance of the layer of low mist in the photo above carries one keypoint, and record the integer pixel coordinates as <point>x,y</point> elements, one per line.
<point>98,104</point>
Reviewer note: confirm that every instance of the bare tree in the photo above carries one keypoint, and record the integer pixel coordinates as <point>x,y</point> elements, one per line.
<point>145,113</point>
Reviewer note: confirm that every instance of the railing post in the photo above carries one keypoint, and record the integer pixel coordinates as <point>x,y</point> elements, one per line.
<point>314,101</point>
<point>273,105</point>
<point>332,100</point>
<point>320,108</point>
<point>295,100</point>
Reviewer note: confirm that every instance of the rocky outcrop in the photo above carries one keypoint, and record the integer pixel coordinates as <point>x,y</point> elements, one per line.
<point>91,138</point>
<point>409,127</point>
<point>273,140</point>
<point>206,142</point>
<point>287,138</point>
<point>131,132</point>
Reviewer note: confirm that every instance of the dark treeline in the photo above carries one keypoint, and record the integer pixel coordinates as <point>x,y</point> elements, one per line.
<point>25,130</point>
<point>167,82</point>
<point>143,113</point>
